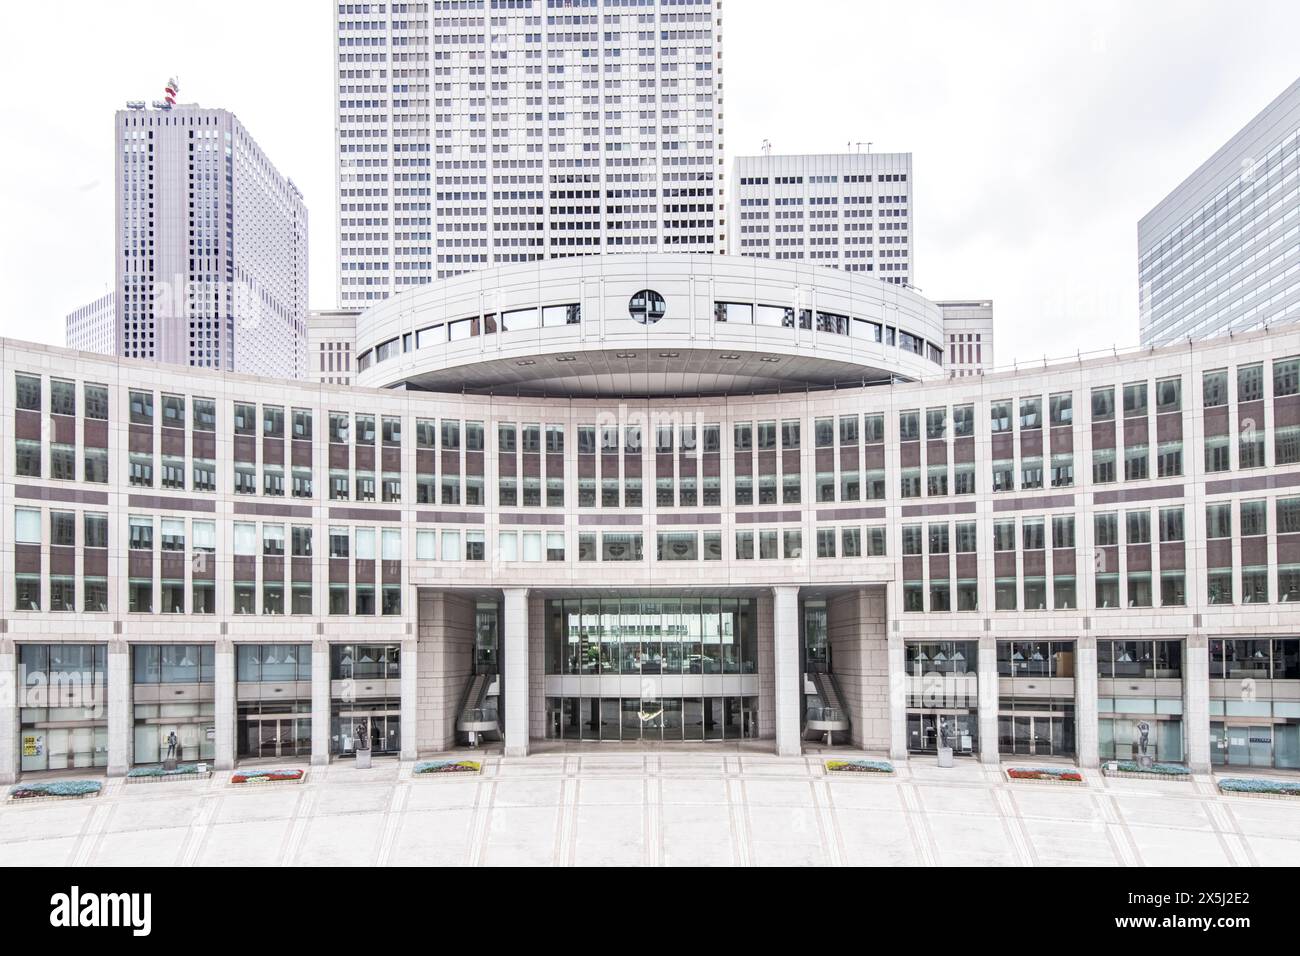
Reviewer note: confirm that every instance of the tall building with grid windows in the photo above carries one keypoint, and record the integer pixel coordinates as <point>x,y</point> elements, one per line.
<point>210,245</point>
<point>93,327</point>
<point>850,211</point>
<point>472,133</point>
<point>1221,252</point>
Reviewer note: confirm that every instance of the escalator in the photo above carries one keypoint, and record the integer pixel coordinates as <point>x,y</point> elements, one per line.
<point>478,713</point>
<point>826,713</point>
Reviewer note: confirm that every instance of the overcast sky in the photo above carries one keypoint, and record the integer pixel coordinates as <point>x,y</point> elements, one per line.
<point>1040,131</point>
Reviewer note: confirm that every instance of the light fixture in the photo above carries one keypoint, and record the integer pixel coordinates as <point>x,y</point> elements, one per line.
<point>730,356</point>
<point>669,354</point>
<point>625,355</point>
<point>526,362</point>
<point>566,358</point>
<point>769,358</point>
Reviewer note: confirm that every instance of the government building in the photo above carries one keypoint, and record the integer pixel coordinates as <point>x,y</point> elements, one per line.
<point>647,498</point>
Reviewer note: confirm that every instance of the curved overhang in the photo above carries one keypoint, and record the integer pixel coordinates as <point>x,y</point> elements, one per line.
<point>716,325</point>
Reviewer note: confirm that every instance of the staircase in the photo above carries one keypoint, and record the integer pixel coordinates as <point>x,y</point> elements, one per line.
<point>831,715</point>
<point>478,711</point>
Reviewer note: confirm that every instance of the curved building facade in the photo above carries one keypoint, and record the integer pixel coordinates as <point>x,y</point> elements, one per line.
<point>649,325</point>
<point>1089,560</point>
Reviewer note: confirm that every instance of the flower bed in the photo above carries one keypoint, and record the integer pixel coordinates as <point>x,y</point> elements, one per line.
<point>1130,768</point>
<point>57,790</point>
<point>187,771</point>
<point>426,767</point>
<point>881,767</point>
<point>1287,789</point>
<point>279,775</point>
<point>1045,774</point>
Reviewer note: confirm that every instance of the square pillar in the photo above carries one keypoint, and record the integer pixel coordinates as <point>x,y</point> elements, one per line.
<point>1085,700</point>
<point>410,685</point>
<point>987,669</point>
<point>9,689</point>
<point>897,698</point>
<point>320,703</point>
<point>119,708</point>
<point>1196,703</point>
<point>786,676</point>
<point>514,670</point>
<point>223,705</point>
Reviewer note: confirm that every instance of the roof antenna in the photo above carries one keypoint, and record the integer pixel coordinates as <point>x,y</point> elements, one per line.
<point>767,147</point>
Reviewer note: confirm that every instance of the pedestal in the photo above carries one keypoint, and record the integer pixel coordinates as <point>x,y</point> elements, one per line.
<point>363,759</point>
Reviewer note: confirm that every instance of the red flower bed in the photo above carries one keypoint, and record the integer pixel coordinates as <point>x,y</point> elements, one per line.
<point>1071,776</point>
<point>268,776</point>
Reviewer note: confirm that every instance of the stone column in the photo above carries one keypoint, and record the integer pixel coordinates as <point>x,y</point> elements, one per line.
<point>514,677</point>
<point>410,698</point>
<point>987,667</point>
<point>223,705</point>
<point>897,698</point>
<point>1085,699</point>
<point>789,698</point>
<point>119,708</point>
<point>1196,703</point>
<point>9,688</point>
<point>320,703</point>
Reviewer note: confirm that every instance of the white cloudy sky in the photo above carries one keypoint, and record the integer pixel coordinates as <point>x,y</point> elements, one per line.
<point>1041,131</point>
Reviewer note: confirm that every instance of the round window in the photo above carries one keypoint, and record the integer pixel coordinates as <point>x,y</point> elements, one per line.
<point>646,307</point>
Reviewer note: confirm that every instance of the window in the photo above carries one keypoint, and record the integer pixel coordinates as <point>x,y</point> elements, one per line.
<point>1135,400</point>
<point>909,426</point>
<point>63,397</point>
<point>1169,395</point>
<point>1171,524</point>
<point>1138,527</point>
<point>1103,404</point>
<point>1286,377</point>
<point>28,393</point>
<point>1061,409</point>
<point>1250,383</point>
<point>1031,413</point>
<point>1214,388</point>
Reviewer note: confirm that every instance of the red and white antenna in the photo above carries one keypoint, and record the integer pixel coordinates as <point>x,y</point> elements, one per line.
<point>170,91</point>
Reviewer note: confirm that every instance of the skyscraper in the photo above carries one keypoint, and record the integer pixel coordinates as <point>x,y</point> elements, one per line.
<point>851,211</point>
<point>93,327</point>
<point>1219,253</point>
<point>471,134</point>
<point>210,247</point>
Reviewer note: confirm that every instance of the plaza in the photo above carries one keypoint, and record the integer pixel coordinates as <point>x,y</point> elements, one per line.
<point>665,807</point>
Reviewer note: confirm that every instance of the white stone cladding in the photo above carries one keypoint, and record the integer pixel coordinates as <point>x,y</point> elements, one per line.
<point>427,577</point>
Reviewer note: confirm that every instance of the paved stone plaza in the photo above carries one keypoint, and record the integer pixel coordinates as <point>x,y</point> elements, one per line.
<point>655,809</point>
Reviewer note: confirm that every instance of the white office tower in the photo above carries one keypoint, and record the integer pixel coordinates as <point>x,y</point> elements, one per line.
<point>93,327</point>
<point>968,337</point>
<point>211,245</point>
<point>331,345</point>
<point>851,211</point>
<point>480,132</point>
<point>1219,254</point>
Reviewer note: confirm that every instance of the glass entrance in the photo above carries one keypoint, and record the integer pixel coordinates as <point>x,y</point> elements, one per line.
<point>1035,735</point>
<point>382,727</point>
<point>652,718</point>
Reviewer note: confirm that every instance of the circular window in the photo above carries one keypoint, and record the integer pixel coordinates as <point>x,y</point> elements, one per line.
<point>646,307</point>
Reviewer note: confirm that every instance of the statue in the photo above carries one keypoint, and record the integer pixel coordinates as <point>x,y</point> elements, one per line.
<point>361,744</point>
<point>169,762</point>
<point>1143,738</point>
